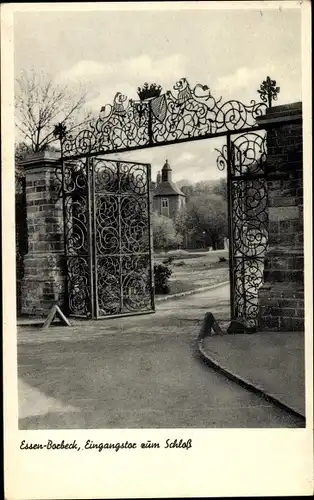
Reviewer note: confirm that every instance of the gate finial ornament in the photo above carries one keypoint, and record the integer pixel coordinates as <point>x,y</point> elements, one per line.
<point>268,91</point>
<point>60,131</point>
<point>149,91</point>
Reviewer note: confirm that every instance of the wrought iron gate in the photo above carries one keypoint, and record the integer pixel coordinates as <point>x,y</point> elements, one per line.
<point>108,251</point>
<point>107,237</point>
<point>248,220</point>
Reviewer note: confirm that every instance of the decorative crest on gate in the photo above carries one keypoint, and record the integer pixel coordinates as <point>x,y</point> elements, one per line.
<point>164,118</point>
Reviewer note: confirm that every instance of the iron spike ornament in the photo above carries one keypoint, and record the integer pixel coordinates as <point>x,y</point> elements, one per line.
<point>60,131</point>
<point>182,114</point>
<point>269,91</point>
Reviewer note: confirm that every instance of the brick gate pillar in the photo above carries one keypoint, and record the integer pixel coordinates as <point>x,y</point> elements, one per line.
<point>43,280</point>
<point>281,298</point>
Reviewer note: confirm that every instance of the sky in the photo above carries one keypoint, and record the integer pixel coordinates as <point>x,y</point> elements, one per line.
<point>230,50</point>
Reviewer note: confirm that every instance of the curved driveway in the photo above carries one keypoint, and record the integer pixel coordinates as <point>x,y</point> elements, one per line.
<point>137,372</point>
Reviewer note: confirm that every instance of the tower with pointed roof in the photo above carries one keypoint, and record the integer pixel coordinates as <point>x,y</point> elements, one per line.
<point>167,197</point>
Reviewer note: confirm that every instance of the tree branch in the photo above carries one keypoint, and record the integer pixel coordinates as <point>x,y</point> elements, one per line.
<point>39,103</point>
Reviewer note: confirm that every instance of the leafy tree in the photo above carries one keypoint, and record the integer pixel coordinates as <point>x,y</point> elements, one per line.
<point>183,227</point>
<point>183,182</point>
<point>165,236</point>
<point>220,188</point>
<point>206,219</point>
<point>40,104</point>
<point>187,189</point>
<point>203,187</point>
<point>22,149</point>
<point>206,187</point>
<point>197,188</point>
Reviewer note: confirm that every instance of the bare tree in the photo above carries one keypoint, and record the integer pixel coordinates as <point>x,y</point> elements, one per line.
<point>41,103</point>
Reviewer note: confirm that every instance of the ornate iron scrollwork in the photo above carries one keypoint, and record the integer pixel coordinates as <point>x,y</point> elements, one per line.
<point>167,118</point>
<point>248,212</point>
<point>106,203</point>
<point>122,238</point>
<point>108,254</point>
<point>77,250</point>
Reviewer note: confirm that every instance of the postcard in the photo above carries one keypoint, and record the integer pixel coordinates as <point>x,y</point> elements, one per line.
<point>157,250</point>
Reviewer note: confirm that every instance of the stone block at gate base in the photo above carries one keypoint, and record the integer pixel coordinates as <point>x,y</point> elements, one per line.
<point>43,283</point>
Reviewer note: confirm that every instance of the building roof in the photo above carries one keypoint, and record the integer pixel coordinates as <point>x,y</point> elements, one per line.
<point>166,166</point>
<point>167,188</point>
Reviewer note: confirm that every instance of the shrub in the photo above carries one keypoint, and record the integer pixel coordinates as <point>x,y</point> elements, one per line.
<point>162,273</point>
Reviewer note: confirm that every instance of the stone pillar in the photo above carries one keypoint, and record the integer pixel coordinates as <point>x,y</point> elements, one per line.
<point>281,298</point>
<point>43,280</point>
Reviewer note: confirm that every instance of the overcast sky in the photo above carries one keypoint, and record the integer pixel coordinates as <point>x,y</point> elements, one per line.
<point>231,51</point>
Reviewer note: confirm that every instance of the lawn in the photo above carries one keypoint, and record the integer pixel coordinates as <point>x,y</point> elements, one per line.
<point>191,270</point>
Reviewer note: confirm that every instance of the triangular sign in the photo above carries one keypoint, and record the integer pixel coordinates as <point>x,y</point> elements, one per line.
<point>55,311</point>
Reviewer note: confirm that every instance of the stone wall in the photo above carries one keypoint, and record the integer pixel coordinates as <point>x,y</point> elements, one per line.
<point>281,298</point>
<point>43,281</point>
